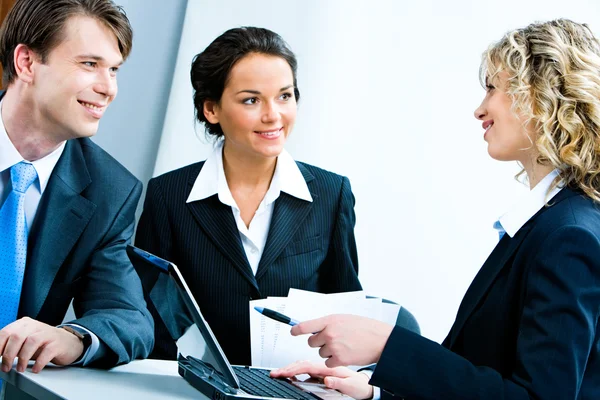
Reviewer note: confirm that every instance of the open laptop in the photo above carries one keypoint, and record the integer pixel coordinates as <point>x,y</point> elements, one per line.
<point>208,370</point>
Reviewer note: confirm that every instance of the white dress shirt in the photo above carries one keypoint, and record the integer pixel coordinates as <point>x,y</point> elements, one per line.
<point>10,156</point>
<point>527,207</point>
<point>287,178</point>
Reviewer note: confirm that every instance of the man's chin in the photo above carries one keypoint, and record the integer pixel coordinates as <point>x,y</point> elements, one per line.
<point>84,132</point>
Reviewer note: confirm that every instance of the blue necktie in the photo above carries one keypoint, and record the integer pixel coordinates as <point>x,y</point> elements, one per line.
<point>13,242</point>
<point>498,227</point>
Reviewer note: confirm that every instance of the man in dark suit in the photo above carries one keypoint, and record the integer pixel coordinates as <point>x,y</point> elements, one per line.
<point>67,207</point>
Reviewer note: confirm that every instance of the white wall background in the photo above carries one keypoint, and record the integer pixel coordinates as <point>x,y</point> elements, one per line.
<point>388,92</point>
<point>131,129</point>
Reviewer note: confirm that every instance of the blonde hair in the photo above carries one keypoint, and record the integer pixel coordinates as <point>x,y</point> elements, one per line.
<point>554,80</point>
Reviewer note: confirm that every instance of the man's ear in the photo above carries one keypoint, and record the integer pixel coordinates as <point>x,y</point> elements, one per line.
<point>24,59</point>
<point>211,111</point>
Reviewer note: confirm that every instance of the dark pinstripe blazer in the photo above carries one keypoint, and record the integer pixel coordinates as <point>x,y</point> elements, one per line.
<point>528,326</point>
<point>310,246</point>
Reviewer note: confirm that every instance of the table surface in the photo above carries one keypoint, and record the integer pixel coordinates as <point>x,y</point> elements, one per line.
<point>140,379</point>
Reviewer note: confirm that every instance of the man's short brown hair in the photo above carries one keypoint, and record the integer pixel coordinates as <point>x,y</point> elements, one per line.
<point>39,24</point>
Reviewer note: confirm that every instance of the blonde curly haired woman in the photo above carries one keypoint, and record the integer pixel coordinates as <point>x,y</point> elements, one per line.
<point>528,326</point>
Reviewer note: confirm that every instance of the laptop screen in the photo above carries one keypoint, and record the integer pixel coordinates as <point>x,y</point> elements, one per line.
<point>165,287</point>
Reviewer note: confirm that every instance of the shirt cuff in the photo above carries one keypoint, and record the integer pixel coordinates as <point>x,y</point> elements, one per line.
<point>91,351</point>
<point>376,390</point>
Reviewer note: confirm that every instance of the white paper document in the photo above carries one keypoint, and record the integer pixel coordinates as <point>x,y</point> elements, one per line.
<point>272,345</point>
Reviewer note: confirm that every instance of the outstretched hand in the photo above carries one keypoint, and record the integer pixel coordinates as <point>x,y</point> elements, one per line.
<point>351,383</point>
<point>346,339</point>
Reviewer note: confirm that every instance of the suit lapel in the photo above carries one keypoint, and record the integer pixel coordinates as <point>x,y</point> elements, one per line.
<point>61,218</point>
<point>217,221</point>
<point>484,279</point>
<point>288,215</point>
<point>492,267</point>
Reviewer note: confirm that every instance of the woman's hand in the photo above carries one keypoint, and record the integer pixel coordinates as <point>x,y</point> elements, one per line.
<point>346,339</point>
<point>351,383</point>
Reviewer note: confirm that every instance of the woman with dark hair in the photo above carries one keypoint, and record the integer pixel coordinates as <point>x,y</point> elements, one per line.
<point>249,222</point>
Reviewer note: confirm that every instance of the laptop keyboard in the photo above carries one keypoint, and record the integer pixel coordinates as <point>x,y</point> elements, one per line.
<point>258,383</point>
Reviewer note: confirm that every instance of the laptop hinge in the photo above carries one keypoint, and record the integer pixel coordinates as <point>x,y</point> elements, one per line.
<point>206,371</point>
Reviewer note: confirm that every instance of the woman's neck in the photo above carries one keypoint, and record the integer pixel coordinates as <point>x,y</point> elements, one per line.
<point>246,170</point>
<point>536,172</point>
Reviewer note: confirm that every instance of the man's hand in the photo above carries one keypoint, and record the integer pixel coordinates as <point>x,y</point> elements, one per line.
<point>29,339</point>
<point>353,384</point>
<point>346,339</point>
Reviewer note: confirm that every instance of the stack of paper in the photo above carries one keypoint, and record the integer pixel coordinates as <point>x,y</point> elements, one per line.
<point>272,344</point>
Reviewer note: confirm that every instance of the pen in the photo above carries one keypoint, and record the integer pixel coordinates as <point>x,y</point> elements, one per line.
<point>276,316</point>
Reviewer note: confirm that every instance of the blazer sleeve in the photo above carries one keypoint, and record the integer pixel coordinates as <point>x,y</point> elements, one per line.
<point>557,330</point>
<point>154,230</point>
<point>111,303</point>
<point>342,258</point>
